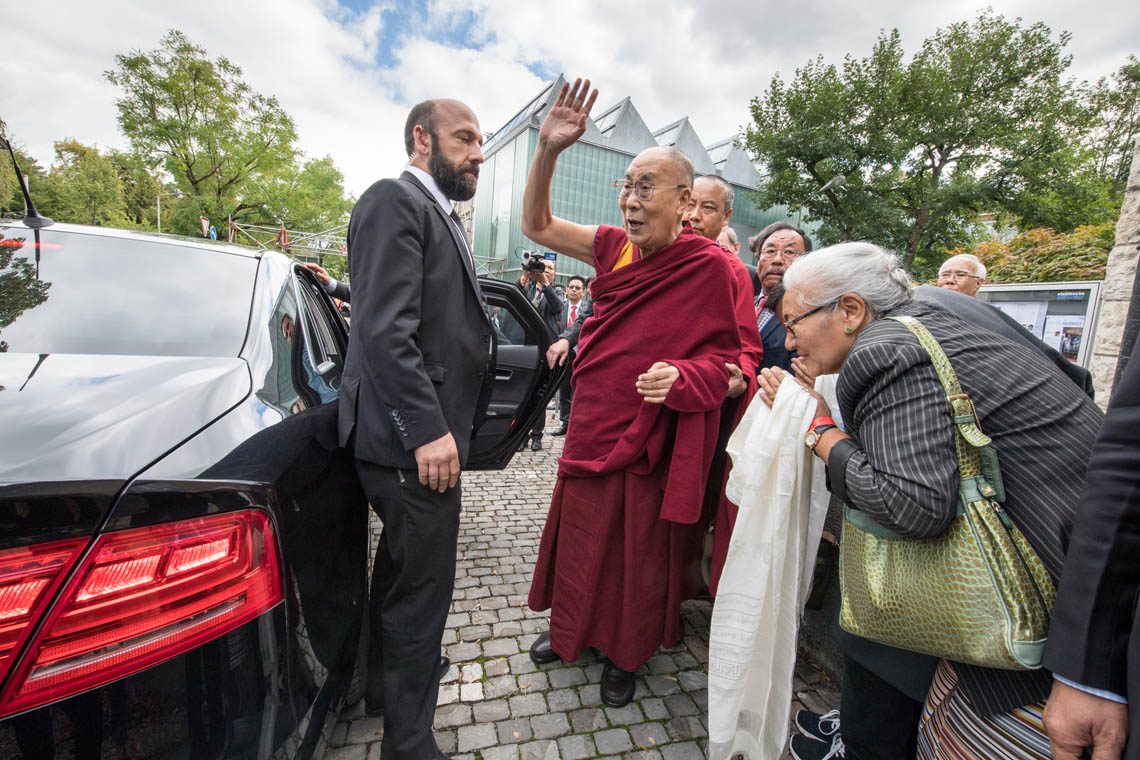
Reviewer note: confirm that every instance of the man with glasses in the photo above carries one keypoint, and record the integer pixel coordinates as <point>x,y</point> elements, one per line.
<point>964,273</point>
<point>650,378</point>
<point>563,348</point>
<point>776,247</point>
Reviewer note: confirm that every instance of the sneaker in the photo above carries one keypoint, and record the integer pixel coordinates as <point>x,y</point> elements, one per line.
<point>808,748</point>
<point>822,727</point>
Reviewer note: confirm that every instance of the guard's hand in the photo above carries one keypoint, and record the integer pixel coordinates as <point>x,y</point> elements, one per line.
<point>654,385</point>
<point>736,383</point>
<point>438,463</point>
<point>566,120</point>
<point>1075,720</point>
<point>557,353</point>
<point>319,272</point>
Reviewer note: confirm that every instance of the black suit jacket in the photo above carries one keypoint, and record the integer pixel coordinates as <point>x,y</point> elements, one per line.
<point>420,340</point>
<point>1095,636</point>
<point>342,291</point>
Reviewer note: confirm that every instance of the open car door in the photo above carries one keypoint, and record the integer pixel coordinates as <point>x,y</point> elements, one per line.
<point>523,384</point>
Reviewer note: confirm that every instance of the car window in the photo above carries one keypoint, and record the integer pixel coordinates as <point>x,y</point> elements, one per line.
<point>86,293</point>
<point>322,351</point>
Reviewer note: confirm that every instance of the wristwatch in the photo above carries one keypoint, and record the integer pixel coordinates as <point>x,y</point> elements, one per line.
<point>818,427</point>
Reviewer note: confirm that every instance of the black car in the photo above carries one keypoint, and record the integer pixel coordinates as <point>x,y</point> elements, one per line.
<point>183,546</point>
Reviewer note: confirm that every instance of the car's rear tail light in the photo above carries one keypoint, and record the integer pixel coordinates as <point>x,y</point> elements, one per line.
<point>145,595</point>
<point>28,576</point>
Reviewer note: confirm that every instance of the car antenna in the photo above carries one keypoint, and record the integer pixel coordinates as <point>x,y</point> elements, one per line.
<point>32,218</point>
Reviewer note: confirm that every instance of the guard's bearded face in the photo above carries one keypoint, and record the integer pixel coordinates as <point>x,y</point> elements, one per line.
<point>456,151</point>
<point>457,181</point>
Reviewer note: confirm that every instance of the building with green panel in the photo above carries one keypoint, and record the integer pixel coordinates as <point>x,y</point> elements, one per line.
<point>583,182</point>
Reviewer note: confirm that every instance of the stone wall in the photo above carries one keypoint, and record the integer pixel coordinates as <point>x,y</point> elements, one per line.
<point>1118,285</point>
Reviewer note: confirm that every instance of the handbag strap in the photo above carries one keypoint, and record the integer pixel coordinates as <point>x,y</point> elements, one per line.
<point>969,437</point>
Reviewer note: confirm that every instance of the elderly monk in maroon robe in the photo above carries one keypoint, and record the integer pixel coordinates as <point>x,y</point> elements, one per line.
<point>622,541</point>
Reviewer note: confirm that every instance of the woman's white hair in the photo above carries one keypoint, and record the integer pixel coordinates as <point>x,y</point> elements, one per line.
<point>867,270</point>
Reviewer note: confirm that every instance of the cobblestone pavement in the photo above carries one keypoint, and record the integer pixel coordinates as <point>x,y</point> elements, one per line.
<point>495,703</point>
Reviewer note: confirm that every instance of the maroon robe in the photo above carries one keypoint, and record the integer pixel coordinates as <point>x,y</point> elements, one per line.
<point>621,545</point>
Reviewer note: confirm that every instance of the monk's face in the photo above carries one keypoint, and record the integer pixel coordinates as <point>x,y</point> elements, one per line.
<point>655,203</point>
<point>707,211</point>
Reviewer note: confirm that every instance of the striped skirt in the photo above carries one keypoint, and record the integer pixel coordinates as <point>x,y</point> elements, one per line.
<point>950,729</point>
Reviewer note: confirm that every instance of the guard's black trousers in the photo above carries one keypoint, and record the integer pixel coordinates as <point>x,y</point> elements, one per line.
<point>412,581</point>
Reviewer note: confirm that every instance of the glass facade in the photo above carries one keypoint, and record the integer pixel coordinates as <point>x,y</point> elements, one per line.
<point>582,191</point>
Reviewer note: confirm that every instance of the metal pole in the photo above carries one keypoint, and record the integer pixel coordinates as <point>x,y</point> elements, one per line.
<point>158,199</point>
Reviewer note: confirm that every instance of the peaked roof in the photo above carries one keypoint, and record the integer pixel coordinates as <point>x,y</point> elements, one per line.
<point>622,128</point>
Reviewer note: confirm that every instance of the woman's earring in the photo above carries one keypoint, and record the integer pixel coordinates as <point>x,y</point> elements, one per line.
<point>848,329</point>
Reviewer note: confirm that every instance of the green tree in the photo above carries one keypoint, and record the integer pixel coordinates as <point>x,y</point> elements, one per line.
<point>20,286</point>
<point>11,199</point>
<point>980,119</point>
<point>199,120</point>
<point>140,187</point>
<point>83,187</point>
<point>1116,102</point>
<point>1044,255</point>
<point>310,197</point>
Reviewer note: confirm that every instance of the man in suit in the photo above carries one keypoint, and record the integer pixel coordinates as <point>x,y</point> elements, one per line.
<point>1094,640</point>
<point>540,290</point>
<point>413,378</point>
<point>776,247</point>
<point>576,304</point>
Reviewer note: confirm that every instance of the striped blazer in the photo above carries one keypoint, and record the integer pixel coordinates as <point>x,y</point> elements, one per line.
<point>901,467</point>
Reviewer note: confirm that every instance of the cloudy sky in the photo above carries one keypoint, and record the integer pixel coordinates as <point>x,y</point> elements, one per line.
<point>348,71</point>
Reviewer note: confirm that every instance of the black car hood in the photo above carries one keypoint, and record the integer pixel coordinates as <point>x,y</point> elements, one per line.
<point>83,417</point>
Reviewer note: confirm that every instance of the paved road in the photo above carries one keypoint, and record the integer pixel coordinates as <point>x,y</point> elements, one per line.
<point>494,702</point>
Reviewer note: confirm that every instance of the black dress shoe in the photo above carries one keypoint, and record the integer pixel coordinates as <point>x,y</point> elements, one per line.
<point>617,686</point>
<point>535,443</point>
<point>560,430</point>
<point>374,706</point>
<point>541,652</point>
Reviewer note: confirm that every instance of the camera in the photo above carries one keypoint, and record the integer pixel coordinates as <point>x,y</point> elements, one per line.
<point>532,261</point>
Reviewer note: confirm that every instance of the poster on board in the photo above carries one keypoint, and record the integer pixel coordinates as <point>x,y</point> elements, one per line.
<point>1029,314</point>
<point>1065,333</point>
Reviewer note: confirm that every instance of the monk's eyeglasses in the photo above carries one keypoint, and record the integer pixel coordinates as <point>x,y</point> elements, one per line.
<point>644,190</point>
<point>791,323</point>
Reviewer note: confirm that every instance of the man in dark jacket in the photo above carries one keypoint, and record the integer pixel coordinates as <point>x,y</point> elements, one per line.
<point>776,247</point>
<point>540,290</point>
<point>1094,640</point>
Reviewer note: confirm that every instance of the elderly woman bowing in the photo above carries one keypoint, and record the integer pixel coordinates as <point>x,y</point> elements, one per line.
<point>895,462</point>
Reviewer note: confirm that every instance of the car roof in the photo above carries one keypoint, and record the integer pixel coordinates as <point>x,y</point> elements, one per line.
<point>156,237</point>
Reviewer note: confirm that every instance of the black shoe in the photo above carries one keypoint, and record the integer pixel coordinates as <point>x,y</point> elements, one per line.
<point>810,748</point>
<point>617,685</point>
<point>823,727</point>
<point>560,430</point>
<point>535,443</point>
<point>540,651</point>
<point>374,706</point>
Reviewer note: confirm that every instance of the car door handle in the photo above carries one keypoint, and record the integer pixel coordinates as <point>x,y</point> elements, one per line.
<point>503,374</point>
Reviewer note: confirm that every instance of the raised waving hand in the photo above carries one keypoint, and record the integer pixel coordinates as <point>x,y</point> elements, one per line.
<point>566,120</point>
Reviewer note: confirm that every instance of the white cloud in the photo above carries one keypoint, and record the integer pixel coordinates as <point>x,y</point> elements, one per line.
<point>674,59</point>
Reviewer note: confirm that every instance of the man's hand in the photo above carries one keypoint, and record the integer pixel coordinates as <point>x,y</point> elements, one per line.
<point>736,383</point>
<point>438,463</point>
<point>319,272</point>
<point>558,352</point>
<point>1075,719</point>
<point>654,385</point>
<point>566,120</point>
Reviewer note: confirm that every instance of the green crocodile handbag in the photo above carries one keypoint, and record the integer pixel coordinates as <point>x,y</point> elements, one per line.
<point>978,593</point>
